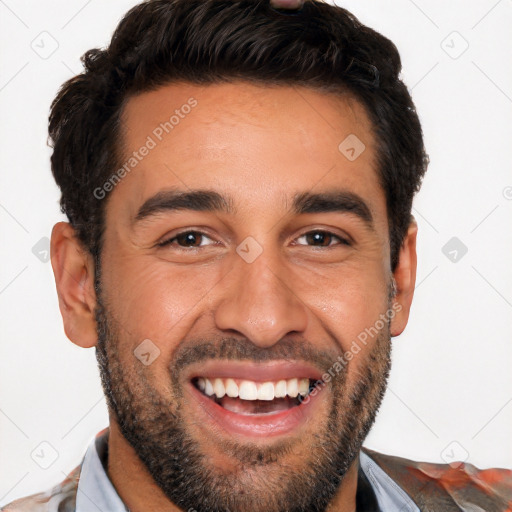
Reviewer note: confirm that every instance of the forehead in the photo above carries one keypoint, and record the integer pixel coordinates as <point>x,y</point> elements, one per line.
<point>259,145</point>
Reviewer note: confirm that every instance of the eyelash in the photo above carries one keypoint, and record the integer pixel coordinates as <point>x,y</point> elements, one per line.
<point>342,241</point>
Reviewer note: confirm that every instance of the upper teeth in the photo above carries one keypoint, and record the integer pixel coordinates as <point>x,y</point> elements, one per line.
<point>251,390</point>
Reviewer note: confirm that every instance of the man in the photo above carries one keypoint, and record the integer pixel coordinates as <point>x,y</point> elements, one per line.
<point>238,179</point>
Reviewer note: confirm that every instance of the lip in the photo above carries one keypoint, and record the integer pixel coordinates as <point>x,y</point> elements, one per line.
<point>258,372</point>
<point>259,426</point>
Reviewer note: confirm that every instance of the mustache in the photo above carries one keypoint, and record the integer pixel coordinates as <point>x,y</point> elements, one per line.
<point>242,349</point>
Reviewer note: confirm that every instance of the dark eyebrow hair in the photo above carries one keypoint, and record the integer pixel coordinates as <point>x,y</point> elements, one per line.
<point>336,201</point>
<point>211,201</point>
<point>198,200</point>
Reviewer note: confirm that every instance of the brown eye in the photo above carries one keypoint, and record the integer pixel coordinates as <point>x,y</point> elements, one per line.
<point>322,239</point>
<point>187,239</point>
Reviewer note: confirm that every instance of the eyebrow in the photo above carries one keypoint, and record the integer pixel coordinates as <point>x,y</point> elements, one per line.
<point>173,200</point>
<point>341,201</point>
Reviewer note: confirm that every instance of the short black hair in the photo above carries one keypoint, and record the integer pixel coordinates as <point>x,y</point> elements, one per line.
<point>320,46</point>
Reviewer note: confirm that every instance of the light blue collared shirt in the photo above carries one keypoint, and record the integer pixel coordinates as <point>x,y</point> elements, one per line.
<point>96,492</point>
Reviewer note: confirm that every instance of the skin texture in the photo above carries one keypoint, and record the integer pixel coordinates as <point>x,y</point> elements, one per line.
<point>300,299</point>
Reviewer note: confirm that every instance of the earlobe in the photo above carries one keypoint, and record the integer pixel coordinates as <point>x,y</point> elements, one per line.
<point>73,268</point>
<point>405,278</point>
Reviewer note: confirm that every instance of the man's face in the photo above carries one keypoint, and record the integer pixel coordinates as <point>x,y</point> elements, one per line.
<point>267,272</point>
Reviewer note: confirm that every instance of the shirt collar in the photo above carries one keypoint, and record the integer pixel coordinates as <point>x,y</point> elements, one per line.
<point>96,492</point>
<point>389,494</point>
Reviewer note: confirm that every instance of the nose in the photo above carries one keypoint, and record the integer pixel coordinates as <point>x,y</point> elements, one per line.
<point>259,302</point>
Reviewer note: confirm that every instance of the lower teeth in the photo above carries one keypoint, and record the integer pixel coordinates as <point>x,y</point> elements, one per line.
<point>240,406</point>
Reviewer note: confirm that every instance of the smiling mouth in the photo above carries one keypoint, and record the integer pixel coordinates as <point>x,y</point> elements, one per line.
<point>247,397</point>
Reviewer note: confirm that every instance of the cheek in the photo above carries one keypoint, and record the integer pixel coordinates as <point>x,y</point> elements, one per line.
<point>349,302</point>
<point>156,300</point>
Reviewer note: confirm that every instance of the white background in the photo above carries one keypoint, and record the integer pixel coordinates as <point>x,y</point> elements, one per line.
<point>451,379</point>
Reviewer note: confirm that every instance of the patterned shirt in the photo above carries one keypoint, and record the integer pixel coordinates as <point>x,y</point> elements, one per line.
<point>392,484</point>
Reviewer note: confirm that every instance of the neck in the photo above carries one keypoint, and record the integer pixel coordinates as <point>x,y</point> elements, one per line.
<point>132,481</point>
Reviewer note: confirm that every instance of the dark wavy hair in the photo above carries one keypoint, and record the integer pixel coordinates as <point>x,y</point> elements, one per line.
<point>158,42</point>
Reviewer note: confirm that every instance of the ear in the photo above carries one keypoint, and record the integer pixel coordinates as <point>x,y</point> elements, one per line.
<point>73,268</point>
<point>405,278</point>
